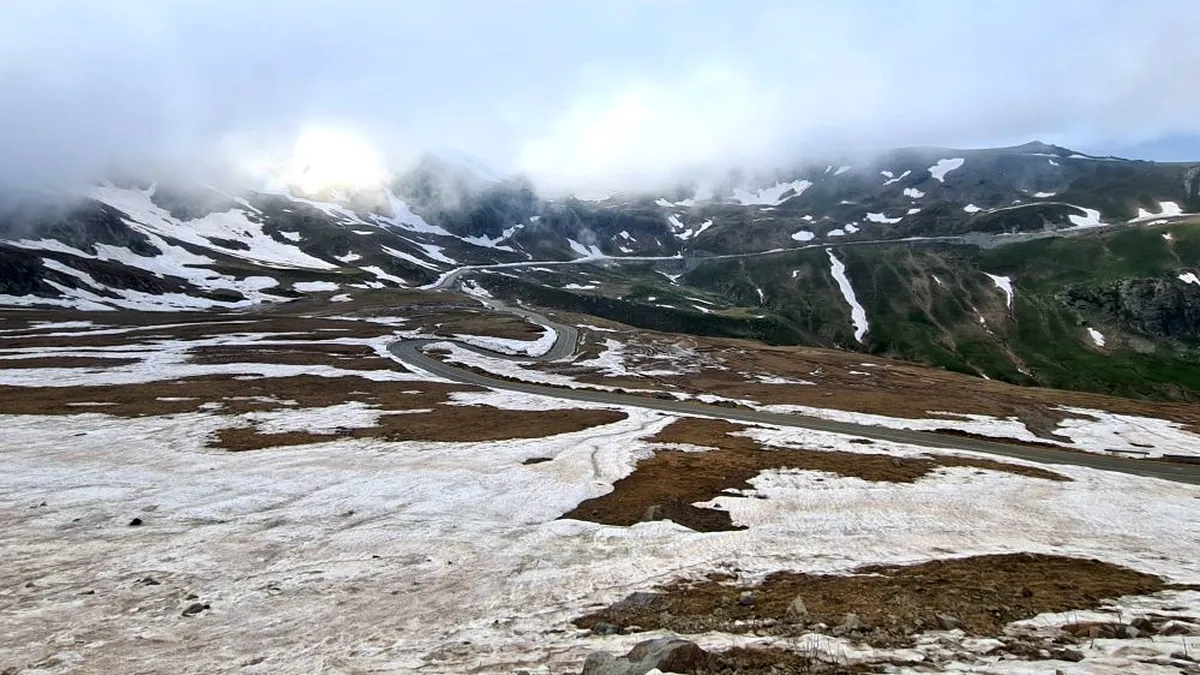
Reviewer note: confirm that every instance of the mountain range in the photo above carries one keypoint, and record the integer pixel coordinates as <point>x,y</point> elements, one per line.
<point>1034,264</point>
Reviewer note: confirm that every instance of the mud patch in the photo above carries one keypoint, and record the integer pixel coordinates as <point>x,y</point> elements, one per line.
<point>665,486</point>
<point>892,603</point>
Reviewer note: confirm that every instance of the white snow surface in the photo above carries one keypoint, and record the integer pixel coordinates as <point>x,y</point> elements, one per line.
<point>1004,284</point>
<point>144,216</point>
<point>1189,278</point>
<point>513,347</point>
<point>945,166</point>
<point>1165,209</point>
<point>585,251</point>
<point>881,218</point>
<point>1096,336</point>
<point>315,286</point>
<point>1090,218</point>
<point>901,177</point>
<point>803,235</point>
<point>913,193</point>
<point>771,196</point>
<point>469,541</point>
<point>971,208</point>
<point>858,315</point>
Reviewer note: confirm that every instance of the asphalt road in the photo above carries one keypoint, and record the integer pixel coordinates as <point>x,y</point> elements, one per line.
<point>409,351</point>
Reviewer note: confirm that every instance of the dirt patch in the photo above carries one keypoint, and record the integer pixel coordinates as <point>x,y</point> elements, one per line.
<point>980,594</point>
<point>228,393</point>
<point>665,486</point>
<point>66,362</point>
<point>349,357</point>
<point>444,423</point>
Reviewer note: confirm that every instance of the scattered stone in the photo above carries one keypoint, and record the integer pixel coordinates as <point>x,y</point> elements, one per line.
<point>195,608</point>
<point>947,622</point>
<point>746,599</point>
<point>149,581</point>
<point>1141,623</point>
<point>798,611</point>
<point>191,596</point>
<point>1131,632</point>
<point>135,522</point>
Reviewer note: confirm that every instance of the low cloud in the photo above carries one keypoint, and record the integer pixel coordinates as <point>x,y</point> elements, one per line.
<point>591,95</point>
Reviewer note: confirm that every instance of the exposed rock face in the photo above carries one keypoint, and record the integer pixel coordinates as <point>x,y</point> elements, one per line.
<point>1159,308</point>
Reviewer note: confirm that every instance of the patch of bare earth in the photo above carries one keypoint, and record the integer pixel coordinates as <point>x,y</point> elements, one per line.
<point>666,485</point>
<point>890,603</point>
<point>349,357</point>
<point>233,394</point>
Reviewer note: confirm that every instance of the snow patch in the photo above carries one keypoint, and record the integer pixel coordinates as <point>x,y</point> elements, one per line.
<point>858,315</point>
<point>945,166</point>
<point>1004,284</point>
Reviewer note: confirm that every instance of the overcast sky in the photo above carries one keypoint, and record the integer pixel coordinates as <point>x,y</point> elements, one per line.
<point>604,93</point>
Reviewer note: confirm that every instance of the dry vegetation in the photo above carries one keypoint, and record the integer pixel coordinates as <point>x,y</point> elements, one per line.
<point>665,486</point>
<point>981,594</point>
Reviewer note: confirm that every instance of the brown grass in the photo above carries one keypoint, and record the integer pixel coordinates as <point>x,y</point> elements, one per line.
<point>666,485</point>
<point>445,423</point>
<point>984,593</point>
<point>66,362</point>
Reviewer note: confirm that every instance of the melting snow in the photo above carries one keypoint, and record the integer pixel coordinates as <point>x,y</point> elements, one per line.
<point>772,196</point>
<point>585,251</point>
<point>880,218</point>
<point>1043,195</point>
<point>897,179</point>
<point>913,193</point>
<point>803,235</point>
<point>971,208</point>
<point>315,286</point>
<point>1164,209</point>
<point>945,166</point>
<point>348,258</point>
<point>1091,218</point>
<point>1004,284</point>
<point>857,314</point>
<point>1189,278</point>
<point>1097,336</point>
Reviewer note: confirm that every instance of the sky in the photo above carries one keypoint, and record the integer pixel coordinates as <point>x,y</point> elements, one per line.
<point>585,94</point>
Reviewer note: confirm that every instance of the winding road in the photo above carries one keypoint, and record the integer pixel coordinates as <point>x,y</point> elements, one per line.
<point>410,352</point>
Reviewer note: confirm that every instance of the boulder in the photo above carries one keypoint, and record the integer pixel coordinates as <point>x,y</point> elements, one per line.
<point>798,611</point>
<point>668,655</point>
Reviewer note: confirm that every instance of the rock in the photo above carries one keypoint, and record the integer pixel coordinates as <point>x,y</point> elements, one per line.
<point>668,655</point>
<point>1131,632</point>
<point>195,608</point>
<point>135,522</point>
<point>1073,655</point>
<point>635,600</point>
<point>947,622</point>
<point>1142,623</point>
<point>798,611</point>
<point>604,628</point>
<point>653,512</point>
<point>850,624</point>
<point>746,599</point>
